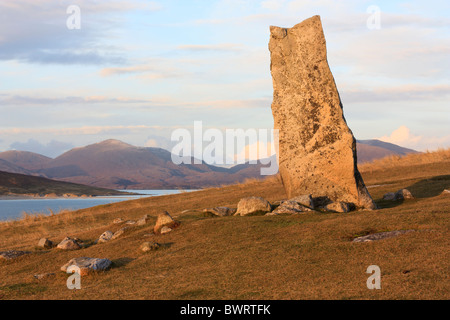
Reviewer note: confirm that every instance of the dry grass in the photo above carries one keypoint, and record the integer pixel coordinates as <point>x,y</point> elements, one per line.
<point>307,256</point>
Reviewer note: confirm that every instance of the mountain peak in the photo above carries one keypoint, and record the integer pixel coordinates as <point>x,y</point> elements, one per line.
<point>114,143</point>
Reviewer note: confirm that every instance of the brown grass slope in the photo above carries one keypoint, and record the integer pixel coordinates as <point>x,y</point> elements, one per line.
<point>308,256</point>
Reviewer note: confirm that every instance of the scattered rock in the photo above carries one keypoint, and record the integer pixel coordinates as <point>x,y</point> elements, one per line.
<point>164,220</point>
<point>131,222</point>
<point>87,265</point>
<point>69,244</point>
<point>45,243</point>
<point>289,207</point>
<point>445,192</point>
<point>105,237</point>
<point>119,232</point>
<point>403,194</point>
<point>43,276</point>
<point>305,200</point>
<point>221,211</point>
<point>144,220</point>
<point>381,235</point>
<point>118,221</point>
<point>252,205</point>
<point>317,150</point>
<point>150,246</point>
<point>12,254</point>
<point>165,230</point>
<point>340,207</point>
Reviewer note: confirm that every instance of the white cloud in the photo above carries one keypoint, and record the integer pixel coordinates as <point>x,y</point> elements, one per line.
<point>403,137</point>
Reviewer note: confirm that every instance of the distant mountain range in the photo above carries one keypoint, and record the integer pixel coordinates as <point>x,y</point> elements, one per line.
<point>117,165</point>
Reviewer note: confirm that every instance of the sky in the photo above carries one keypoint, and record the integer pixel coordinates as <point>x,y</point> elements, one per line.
<point>138,70</point>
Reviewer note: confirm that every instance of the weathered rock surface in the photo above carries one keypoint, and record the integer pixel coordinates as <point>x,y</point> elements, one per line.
<point>390,196</point>
<point>45,243</point>
<point>253,205</point>
<point>69,244</point>
<point>12,254</point>
<point>105,237</point>
<point>119,233</point>
<point>290,207</point>
<point>165,230</point>
<point>87,265</point>
<point>341,207</point>
<point>305,200</point>
<point>164,220</point>
<point>221,211</point>
<point>381,235</point>
<point>317,150</point>
<point>403,194</point>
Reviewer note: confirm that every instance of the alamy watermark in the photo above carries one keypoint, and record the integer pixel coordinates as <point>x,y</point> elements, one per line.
<point>235,146</point>
<point>374,281</point>
<point>73,22</point>
<point>374,19</point>
<point>74,281</point>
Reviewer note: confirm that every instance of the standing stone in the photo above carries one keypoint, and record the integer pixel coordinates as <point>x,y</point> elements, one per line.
<point>317,150</point>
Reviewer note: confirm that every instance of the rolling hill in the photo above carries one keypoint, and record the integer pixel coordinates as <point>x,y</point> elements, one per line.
<point>118,165</point>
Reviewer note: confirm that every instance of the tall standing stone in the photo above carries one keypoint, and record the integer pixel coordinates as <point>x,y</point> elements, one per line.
<point>317,150</point>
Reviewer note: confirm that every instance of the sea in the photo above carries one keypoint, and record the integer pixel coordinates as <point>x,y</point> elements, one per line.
<point>12,209</point>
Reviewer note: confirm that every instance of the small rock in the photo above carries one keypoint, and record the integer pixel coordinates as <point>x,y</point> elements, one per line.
<point>445,192</point>
<point>69,244</point>
<point>130,222</point>
<point>305,200</point>
<point>43,276</point>
<point>118,221</point>
<point>105,236</point>
<point>381,235</point>
<point>144,220</point>
<point>164,220</point>
<point>150,246</point>
<point>341,207</point>
<point>221,211</point>
<point>119,232</point>
<point>165,230</point>
<point>289,207</point>
<point>87,265</point>
<point>45,243</point>
<point>403,194</point>
<point>252,205</point>
<point>12,254</point>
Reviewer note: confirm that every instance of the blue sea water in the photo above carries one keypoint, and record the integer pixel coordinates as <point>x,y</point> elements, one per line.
<point>15,208</point>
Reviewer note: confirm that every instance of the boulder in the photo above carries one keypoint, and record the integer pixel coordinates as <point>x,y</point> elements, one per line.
<point>69,244</point>
<point>45,243</point>
<point>221,211</point>
<point>317,150</point>
<point>164,220</point>
<point>87,265</point>
<point>105,237</point>
<point>253,205</point>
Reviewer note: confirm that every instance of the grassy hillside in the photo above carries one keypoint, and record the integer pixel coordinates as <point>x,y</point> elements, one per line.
<point>19,184</point>
<point>307,256</point>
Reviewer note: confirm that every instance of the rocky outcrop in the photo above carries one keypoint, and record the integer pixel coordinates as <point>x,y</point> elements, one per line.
<point>317,150</point>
